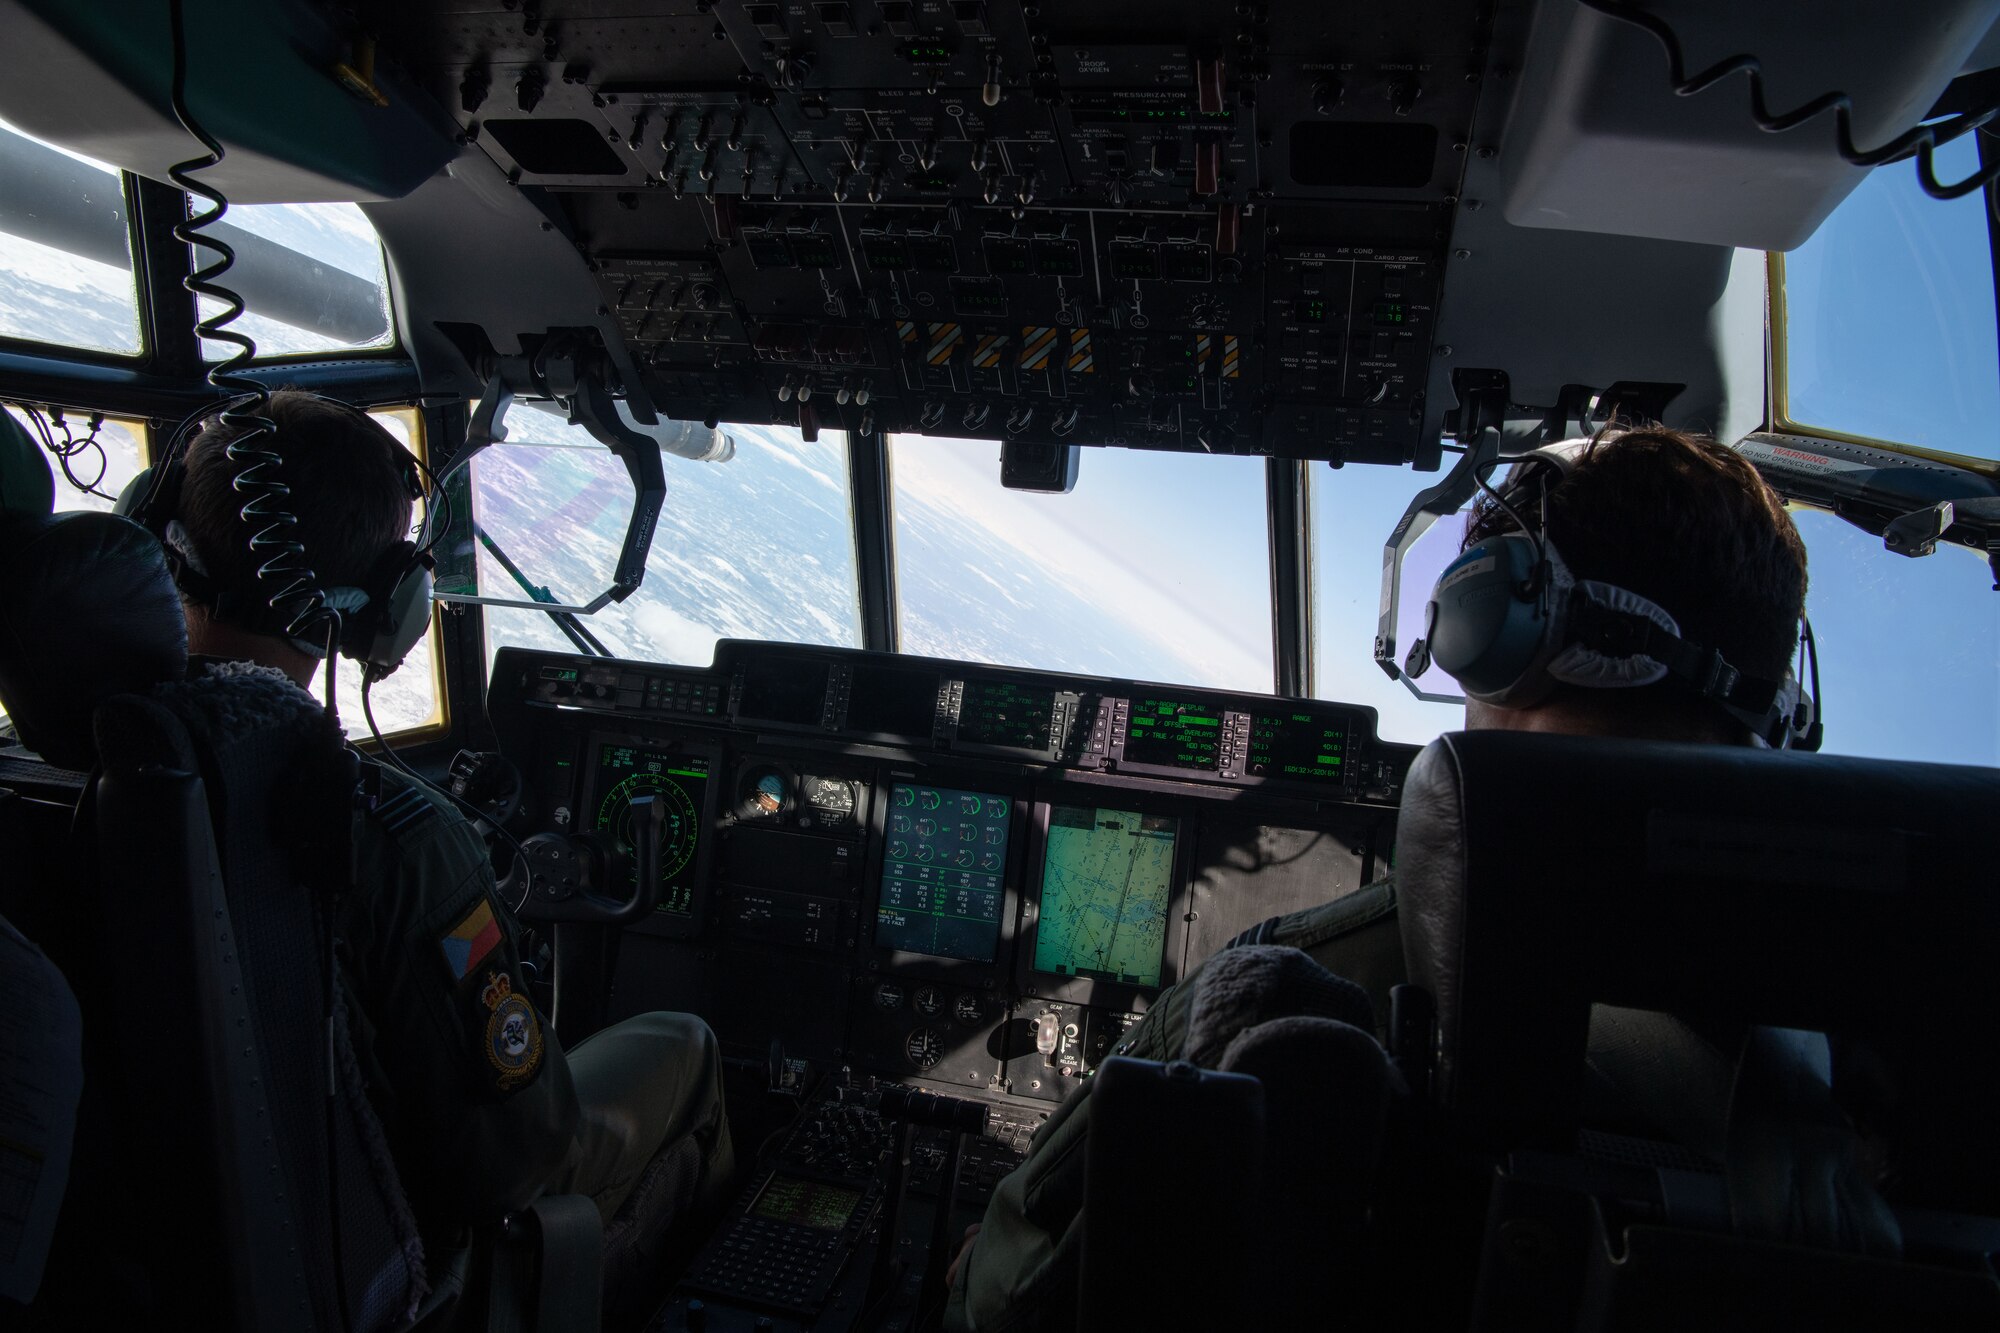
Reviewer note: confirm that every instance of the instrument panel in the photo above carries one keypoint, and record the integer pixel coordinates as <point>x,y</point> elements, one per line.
<point>916,868</point>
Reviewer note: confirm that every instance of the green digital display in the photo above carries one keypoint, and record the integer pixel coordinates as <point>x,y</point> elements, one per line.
<point>1135,261</point>
<point>1389,312</point>
<point>1004,714</point>
<point>1167,733</point>
<point>560,673</point>
<point>1298,746</point>
<point>925,53</point>
<point>885,254</point>
<point>814,249</point>
<point>805,1203</point>
<point>1106,878</point>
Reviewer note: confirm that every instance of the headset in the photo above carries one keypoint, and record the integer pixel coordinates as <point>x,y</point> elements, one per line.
<point>1509,622</point>
<point>380,620</point>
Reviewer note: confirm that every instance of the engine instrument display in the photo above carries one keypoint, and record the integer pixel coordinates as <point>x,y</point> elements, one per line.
<point>1169,733</point>
<point>1298,747</point>
<point>1106,878</point>
<point>944,859</point>
<point>1007,715</point>
<point>681,780</point>
<point>805,1203</point>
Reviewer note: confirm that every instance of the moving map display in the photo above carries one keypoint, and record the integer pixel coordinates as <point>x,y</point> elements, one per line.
<point>1106,878</point>
<point>942,870</point>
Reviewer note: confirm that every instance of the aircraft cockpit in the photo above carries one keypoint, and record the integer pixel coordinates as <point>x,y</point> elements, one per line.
<point>930,525</point>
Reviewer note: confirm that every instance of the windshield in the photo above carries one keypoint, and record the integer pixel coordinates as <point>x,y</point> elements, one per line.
<point>65,250</point>
<point>757,547</point>
<point>1889,316</point>
<point>1155,567</point>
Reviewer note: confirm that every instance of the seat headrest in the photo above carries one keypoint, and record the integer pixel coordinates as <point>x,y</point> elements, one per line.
<point>27,486</point>
<point>1538,875</point>
<point>87,611</point>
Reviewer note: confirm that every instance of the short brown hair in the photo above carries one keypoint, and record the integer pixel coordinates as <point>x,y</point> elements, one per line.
<point>1685,522</point>
<point>350,492</point>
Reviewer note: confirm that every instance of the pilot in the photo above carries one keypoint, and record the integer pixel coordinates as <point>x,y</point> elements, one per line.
<point>1676,518</point>
<point>483,1109</point>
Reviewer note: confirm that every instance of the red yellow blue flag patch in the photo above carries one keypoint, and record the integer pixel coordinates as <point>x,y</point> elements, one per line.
<point>471,940</point>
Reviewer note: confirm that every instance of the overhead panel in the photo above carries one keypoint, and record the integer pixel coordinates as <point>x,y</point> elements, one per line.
<point>1167,225</point>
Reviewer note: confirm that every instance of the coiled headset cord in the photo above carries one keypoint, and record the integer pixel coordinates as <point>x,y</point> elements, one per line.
<point>293,590</point>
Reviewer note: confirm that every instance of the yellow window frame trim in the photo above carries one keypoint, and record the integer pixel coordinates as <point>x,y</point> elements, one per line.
<point>439,722</point>
<point>1777,395</point>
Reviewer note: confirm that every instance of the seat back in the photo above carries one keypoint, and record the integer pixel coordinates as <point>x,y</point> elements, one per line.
<point>1833,919</point>
<point>308,1198</point>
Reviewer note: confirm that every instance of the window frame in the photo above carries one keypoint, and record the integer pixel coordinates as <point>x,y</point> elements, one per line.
<point>1777,399</point>
<point>439,723</point>
<point>148,331</point>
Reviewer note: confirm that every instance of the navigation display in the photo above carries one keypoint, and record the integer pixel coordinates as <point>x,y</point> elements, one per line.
<point>793,693</point>
<point>1106,878</point>
<point>942,872</point>
<point>681,780</point>
<point>805,1203</point>
<point>1171,734</point>
<point>1298,746</point>
<point>1004,714</point>
<point>887,701</point>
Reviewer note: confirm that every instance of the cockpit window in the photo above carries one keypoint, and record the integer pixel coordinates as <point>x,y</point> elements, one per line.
<point>759,546</point>
<point>311,276</point>
<point>1352,510</point>
<point>1156,567</point>
<point>1889,316</point>
<point>92,462</point>
<point>65,250</point>
<point>1909,650</point>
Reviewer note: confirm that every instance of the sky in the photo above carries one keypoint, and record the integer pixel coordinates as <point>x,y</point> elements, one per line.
<point>1157,566</point>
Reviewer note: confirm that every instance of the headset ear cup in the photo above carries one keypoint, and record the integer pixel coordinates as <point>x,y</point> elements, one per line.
<point>132,500</point>
<point>397,612</point>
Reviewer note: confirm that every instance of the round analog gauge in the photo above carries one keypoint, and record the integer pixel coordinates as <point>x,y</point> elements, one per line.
<point>968,1010</point>
<point>763,791</point>
<point>889,995</point>
<point>683,827</point>
<point>923,1048</point>
<point>829,794</point>
<point>929,1003</point>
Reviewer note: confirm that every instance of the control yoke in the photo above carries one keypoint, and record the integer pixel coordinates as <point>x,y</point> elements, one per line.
<point>568,869</point>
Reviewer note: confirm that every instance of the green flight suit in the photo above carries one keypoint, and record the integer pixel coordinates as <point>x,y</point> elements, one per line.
<point>1022,1271</point>
<point>482,1108</point>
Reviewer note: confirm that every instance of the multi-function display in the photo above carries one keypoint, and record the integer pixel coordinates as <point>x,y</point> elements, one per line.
<point>1170,733</point>
<point>943,864</point>
<point>681,781</point>
<point>1298,746</point>
<point>892,702</point>
<point>1003,714</point>
<point>805,1203</point>
<point>1106,877</point>
<point>791,693</point>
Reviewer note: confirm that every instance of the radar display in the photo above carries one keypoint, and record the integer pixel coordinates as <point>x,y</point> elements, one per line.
<point>1106,877</point>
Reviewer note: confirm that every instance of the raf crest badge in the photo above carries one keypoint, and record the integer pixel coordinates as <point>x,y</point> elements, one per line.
<point>513,1035</point>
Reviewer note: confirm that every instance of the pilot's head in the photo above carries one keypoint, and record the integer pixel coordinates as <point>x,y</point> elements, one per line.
<point>349,491</point>
<point>1688,524</point>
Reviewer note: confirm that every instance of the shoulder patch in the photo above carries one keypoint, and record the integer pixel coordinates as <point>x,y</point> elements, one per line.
<point>474,937</point>
<point>513,1033</point>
